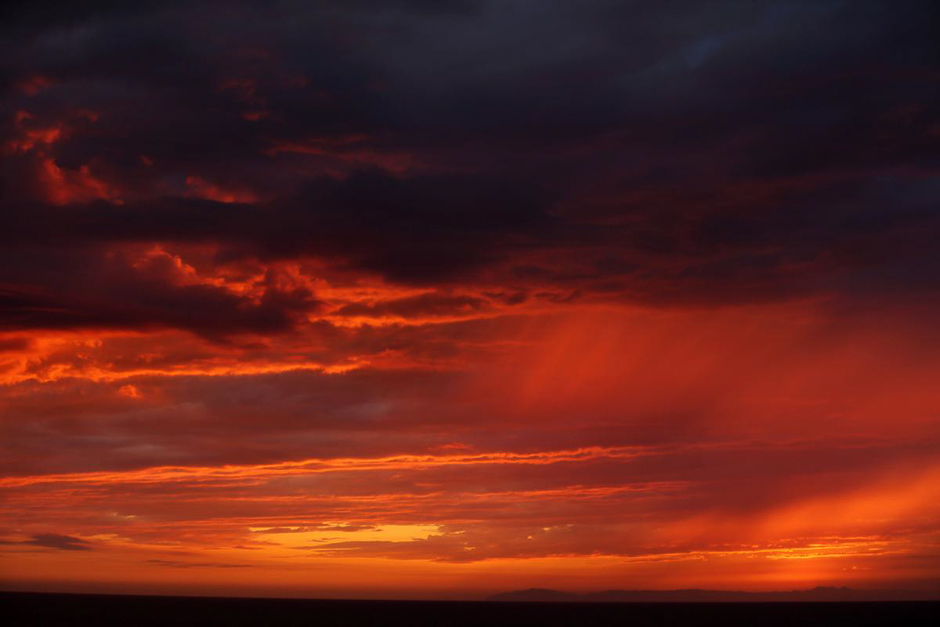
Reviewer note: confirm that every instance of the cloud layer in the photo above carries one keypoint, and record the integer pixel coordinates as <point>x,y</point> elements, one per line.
<point>641,292</point>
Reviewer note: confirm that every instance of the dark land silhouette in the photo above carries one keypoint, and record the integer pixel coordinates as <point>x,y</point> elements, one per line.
<point>27,609</point>
<point>696,595</point>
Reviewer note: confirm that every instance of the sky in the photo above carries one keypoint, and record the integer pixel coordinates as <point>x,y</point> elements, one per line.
<point>435,299</point>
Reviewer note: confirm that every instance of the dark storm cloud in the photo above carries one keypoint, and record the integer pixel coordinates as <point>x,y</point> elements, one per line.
<point>416,230</point>
<point>59,541</point>
<point>667,153</point>
<point>85,291</point>
<point>431,304</point>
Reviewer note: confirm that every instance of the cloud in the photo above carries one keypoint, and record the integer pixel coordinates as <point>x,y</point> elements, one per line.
<point>59,541</point>
<point>12,344</point>
<point>178,564</point>
<point>115,292</point>
<point>423,305</point>
<point>631,281</point>
<point>640,183</point>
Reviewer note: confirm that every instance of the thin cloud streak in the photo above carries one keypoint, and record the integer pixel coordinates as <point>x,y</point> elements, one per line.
<point>316,466</point>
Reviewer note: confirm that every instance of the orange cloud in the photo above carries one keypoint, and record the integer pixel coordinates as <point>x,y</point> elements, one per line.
<point>200,188</point>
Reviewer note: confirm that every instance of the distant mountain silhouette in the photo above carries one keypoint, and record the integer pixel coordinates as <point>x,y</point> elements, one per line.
<point>695,595</point>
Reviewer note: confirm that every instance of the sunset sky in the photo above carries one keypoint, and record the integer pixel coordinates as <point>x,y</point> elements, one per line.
<point>436,299</point>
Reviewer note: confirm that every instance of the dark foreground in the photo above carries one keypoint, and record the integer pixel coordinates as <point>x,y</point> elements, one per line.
<point>130,611</point>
